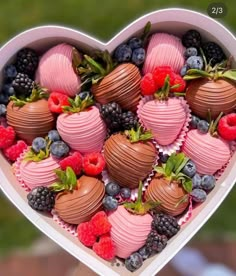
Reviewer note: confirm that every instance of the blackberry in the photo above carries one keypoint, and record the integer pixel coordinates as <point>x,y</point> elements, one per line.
<point>191,38</point>
<point>213,52</point>
<point>129,120</point>
<point>27,61</point>
<point>22,85</point>
<point>111,114</point>
<point>41,199</point>
<point>155,242</point>
<point>165,225</point>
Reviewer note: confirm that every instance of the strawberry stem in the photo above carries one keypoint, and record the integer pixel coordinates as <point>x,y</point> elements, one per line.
<point>135,136</point>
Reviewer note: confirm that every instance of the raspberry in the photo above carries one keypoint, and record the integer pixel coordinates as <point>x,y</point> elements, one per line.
<point>105,248</point>
<point>56,101</point>
<point>178,80</point>
<point>14,151</point>
<point>227,127</point>
<point>85,233</point>
<point>7,137</point>
<point>74,161</point>
<point>160,73</point>
<point>93,163</point>
<point>148,86</point>
<point>100,223</point>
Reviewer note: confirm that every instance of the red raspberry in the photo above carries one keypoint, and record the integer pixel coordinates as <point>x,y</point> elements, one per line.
<point>178,80</point>
<point>105,248</point>
<point>56,101</point>
<point>160,73</point>
<point>75,161</point>
<point>85,233</point>
<point>93,163</point>
<point>227,127</point>
<point>14,151</point>
<point>100,223</point>
<point>160,69</point>
<point>7,137</point>
<point>148,86</point>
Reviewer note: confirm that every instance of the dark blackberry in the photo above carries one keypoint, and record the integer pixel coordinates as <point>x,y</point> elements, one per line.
<point>111,114</point>
<point>192,38</point>
<point>23,85</point>
<point>27,61</point>
<point>213,52</point>
<point>155,242</point>
<point>129,120</point>
<point>165,225</point>
<point>41,199</point>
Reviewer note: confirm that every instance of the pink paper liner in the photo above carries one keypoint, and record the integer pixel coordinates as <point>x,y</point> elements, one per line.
<point>187,215</point>
<point>176,145</point>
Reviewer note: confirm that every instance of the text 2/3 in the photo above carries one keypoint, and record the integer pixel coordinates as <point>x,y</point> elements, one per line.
<point>217,10</point>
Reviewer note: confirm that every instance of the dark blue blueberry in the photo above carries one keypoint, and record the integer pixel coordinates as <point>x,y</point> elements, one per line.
<point>128,265</point>
<point>191,51</point>
<point>8,89</point>
<point>163,157</point>
<point>112,189</point>
<point>59,149</point>
<point>195,62</point>
<point>84,94</point>
<point>135,43</point>
<point>125,193</point>
<point>110,203</point>
<point>4,99</point>
<point>123,53</point>
<point>196,181</point>
<point>3,110</point>
<point>53,135</point>
<point>184,70</point>
<point>194,122</point>
<point>138,56</point>
<point>208,182</point>
<point>198,195</point>
<point>203,126</point>
<point>135,260</point>
<point>38,144</point>
<point>145,252</point>
<point>189,169</point>
<point>10,72</point>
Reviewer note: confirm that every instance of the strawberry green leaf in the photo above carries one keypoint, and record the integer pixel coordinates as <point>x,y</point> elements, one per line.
<point>159,170</point>
<point>170,164</point>
<point>187,185</point>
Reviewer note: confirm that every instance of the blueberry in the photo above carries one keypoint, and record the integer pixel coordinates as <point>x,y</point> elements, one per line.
<point>125,193</point>
<point>184,70</point>
<point>208,182</point>
<point>163,157</point>
<point>8,89</point>
<point>10,72</point>
<point>123,53</point>
<point>138,56</point>
<point>198,195</point>
<point>135,260</point>
<point>59,149</point>
<point>194,122</point>
<point>112,189</point>
<point>135,43</point>
<point>53,135</point>
<point>190,52</point>
<point>144,252</point>
<point>4,99</point>
<point>189,169</point>
<point>128,265</point>
<point>84,94</point>
<point>195,62</point>
<point>196,181</point>
<point>203,126</point>
<point>110,203</point>
<point>38,144</point>
<point>3,110</point>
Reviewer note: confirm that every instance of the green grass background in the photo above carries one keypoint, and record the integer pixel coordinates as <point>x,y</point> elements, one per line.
<point>102,19</point>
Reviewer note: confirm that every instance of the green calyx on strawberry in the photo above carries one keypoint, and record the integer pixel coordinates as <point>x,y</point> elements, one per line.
<point>139,207</point>
<point>171,170</point>
<point>37,93</point>
<point>138,135</point>
<point>31,155</point>
<point>219,71</point>
<point>214,124</point>
<point>92,69</point>
<point>78,105</point>
<point>67,180</point>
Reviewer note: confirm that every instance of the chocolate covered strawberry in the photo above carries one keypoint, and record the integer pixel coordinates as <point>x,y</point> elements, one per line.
<point>129,159</point>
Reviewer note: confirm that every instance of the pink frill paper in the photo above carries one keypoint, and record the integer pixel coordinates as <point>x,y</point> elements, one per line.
<point>176,145</point>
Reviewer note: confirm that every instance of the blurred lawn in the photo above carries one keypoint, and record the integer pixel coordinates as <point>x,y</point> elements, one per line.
<point>102,19</point>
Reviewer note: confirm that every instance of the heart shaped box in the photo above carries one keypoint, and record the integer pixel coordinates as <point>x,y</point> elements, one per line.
<point>175,21</point>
